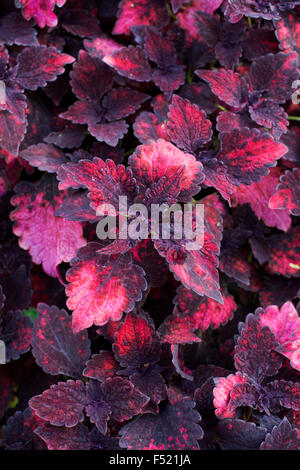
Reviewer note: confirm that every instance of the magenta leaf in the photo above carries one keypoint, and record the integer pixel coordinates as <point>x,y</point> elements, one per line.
<point>39,65</point>
<point>49,239</point>
<point>41,11</point>
<point>113,283</point>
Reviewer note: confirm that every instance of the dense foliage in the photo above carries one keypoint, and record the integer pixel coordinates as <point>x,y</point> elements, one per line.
<point>141,343</point>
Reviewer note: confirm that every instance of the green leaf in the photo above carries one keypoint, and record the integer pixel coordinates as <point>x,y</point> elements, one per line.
<point>31,313</point>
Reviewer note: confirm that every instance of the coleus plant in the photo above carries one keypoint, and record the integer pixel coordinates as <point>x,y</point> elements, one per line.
<point>141,342</point>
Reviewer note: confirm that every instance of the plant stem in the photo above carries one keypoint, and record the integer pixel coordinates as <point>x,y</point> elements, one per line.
<point>129,152</point>
<point>189,75</point>
<point>221,107</point>
<point>294,118</point>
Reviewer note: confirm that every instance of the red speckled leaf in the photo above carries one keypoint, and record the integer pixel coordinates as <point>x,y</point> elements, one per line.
<point>136,343</point>
<point>58,89</point>
<point>151,384</point>
<point>155,267</point>
<point>226,121</point>
<point>169,79</point>
<point>222,394</point>
<point>157,159</point>
<point>259,42</point>
<point>288,30</point>
<point>122,102</point>
<point>101,366</point>
<point>61,404</point>
<point>287,194</point>
<point>40,121</point>
<point>188,126</point>
<point>256,345</point>
<point>282,393</point>
<point>119,103</point>
<point>107,152</point>
<point>196,269</point>
<point>39,65</point>
<point>234,265</point>
<point>54,345</point>
<point>49,239</point>
<point>105,180</point>
<point>15,30</point>
<point>247,154</point>
<point>125,400</point>
<point>45,157</point>
<point>203,312</point>
<point>169,75</point>
<point>285,253</point>
<point>81,23</point>
<point>83,112</point>
<point>200,94</point>
<point>208,29</point>
<point>186,18</point>
<point>19,431</point>
<point>4,58</point>
<point>215,174</point>
<point>166,190</point>
<point>282,437</point>
<point>276,290</point>
<point>100,47</point>
<point>235,9</point>
<point>229,86</point>
<point>14,99</point>
<point>274,74</point>
<point>284,323</point>
<point>208,6</point>
<point>41,11</point>
<point>61,438</point>
<point>158,48</point>
<point>174,428</point>
<point>140,12</point>
<point>15,331</point>
<point>269,114</point>
<point>228,51</point>
<point>102,287</point>
<point>258,195</point>
<point>12,130</point>
<point>160,106</point>
<point>77,207</point>
<point>213,208</point>
<point>110,133</point>
<point>236,434</point>
<point>245,394</point>
<point>148,127</point>
<point>177,330</point>
<point>90,77</point>
<point>109,329</point>
<point>130,62</point>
